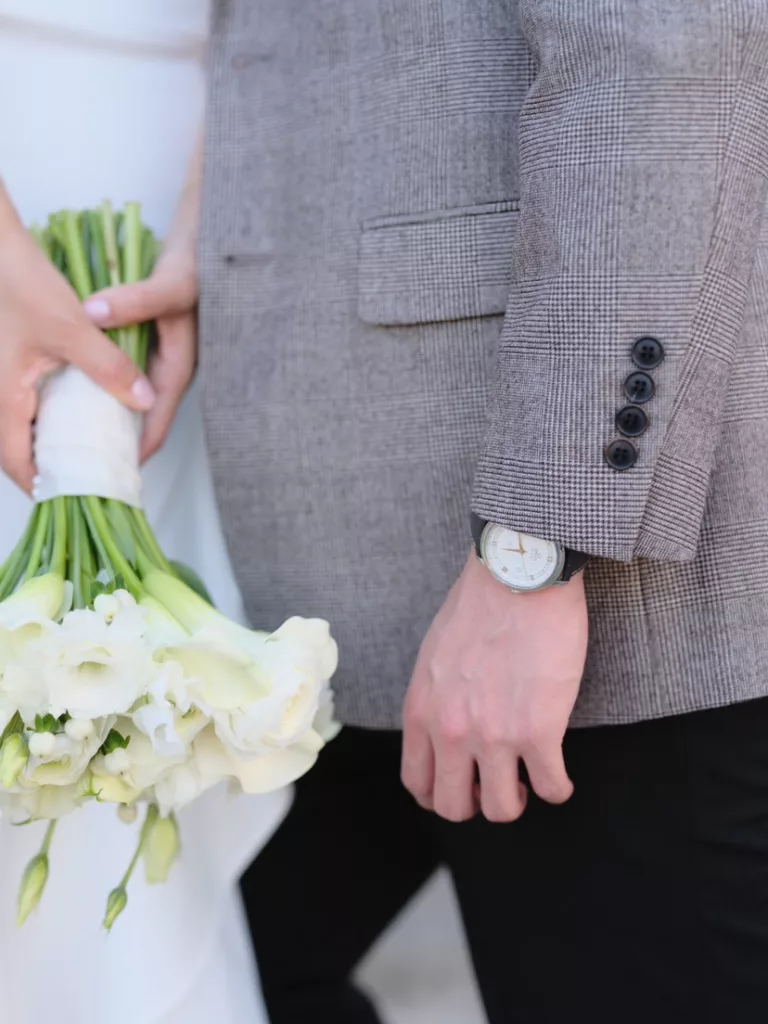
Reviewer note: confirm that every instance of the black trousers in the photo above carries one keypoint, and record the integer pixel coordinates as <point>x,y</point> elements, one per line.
<point>644,900</point>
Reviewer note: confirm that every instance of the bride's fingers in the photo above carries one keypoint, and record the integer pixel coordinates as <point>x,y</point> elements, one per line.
<point>170,371</point>
<point>16,414</point>
<point>166,293</point>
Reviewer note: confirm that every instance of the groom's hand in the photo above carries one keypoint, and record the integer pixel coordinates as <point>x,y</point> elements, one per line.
<point>495,683</point>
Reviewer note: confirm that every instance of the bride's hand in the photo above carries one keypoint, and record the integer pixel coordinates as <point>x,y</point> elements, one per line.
<point>168,296</point>
<point>42,326</point>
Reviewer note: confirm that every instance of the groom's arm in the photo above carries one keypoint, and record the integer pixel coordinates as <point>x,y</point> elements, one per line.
<point>643,158</point>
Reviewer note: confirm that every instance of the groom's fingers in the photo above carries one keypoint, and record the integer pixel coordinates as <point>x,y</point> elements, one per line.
<point>418,759</point>
<point>502,796</point>
<point>454,793</point>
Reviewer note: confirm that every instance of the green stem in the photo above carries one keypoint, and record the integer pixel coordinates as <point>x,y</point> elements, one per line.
<point>38,540</point>
<point>14,564</point>
<point>132,239</point>
<point>132,250</point>
<point>99,252</point>
<point>75,565</point>
<point>149,541</point>
<point>149,821</point>
<point>77,263</point>
<point>102,555</point>
<point>59,553</point>
<point>121,564</point>
<point>109,229</point>
<point>45,848</point>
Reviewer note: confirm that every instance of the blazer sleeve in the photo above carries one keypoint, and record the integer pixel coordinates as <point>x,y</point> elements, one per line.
<point>643,160</point>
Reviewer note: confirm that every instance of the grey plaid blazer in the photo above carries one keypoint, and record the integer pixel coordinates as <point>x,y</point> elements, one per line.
<point>432,232</point>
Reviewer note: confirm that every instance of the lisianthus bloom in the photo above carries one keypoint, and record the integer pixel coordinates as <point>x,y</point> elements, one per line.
<point>166,714</point>
<point>44,802</point>
<point>25,615</point>
<point>261,690</point>
<point>95,664</point>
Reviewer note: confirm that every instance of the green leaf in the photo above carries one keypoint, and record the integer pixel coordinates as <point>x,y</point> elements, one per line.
<point>192,580</point>
<point>116,583</point>
<point>47,723</point>
<point>114,741</point>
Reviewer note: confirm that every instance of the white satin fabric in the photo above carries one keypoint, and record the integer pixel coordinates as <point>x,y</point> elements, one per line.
<point>102,99</point>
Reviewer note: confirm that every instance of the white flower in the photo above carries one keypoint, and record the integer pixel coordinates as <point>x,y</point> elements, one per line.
<point>261,690</point>
<point>123,778</point>
<point>117,762</point>
<point>40,600</point>
<point>25,616</point>
<point>167,716</point>
<point>79,730</point>
<point>65,760</point>
<point>42,744</point>
<point>44,802</point>
<point>92,668</point>
<point>325,724</point>
<point>107,606</point>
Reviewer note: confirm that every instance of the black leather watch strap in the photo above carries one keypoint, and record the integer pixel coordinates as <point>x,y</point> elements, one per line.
<point>574,560</point>
<point>477,525</point>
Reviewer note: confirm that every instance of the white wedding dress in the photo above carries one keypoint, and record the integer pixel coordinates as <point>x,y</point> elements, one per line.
<point>101,99</point>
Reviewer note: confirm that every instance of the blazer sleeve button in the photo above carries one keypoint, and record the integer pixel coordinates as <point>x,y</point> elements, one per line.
<point>647,353</point>
<point>631,421</point>
<point>639,388</point>
<point>621,455</point>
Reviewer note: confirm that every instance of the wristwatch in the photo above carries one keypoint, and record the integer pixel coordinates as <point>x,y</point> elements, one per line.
<point>522,562</point>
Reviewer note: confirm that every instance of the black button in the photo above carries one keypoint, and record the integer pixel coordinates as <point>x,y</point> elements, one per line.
<point>621,455</point>
<point>639,388</point>
<point>647,353</point>
<point>631,421</point>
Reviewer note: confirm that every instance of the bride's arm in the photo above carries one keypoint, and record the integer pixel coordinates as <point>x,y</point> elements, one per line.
<point>42,326</point>
<point>169,296</point>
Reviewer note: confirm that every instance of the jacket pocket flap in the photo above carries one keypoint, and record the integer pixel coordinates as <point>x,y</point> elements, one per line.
<point>445,265</point>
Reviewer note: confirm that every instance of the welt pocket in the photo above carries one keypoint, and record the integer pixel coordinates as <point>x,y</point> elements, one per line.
<point>438,265</point>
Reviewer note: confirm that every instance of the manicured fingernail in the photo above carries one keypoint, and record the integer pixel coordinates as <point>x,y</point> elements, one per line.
<point>98,310</point>
<point>143,393</point>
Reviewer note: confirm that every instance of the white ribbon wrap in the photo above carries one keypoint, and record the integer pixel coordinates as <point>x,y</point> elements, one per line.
<point>86,442</point>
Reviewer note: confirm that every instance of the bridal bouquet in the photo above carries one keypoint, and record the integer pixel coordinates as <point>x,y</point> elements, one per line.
<point>119,681</point>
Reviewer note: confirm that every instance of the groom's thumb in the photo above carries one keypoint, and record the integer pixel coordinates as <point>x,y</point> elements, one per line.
<point>160,295</point>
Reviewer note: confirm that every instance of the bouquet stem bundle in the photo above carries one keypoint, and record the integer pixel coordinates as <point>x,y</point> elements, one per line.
<point>119,681</point>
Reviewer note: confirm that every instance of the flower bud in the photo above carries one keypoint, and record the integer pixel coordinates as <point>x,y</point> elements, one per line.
<point>117,762</point>
<point>14,754</point>
<point>106,605</point>
<point>42,744</point>
<point>32,885</point>
<point>79,730</point>
<point>127,813</point>
<point>161,847</point>
<point>116,904</point>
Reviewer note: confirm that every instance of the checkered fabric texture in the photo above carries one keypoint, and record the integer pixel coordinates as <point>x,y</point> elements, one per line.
<point>431,234</point>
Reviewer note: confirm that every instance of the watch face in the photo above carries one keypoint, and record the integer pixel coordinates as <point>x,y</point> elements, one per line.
<point>519,560</point>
